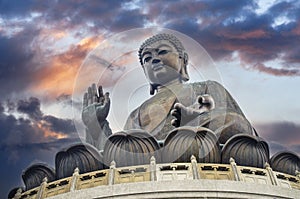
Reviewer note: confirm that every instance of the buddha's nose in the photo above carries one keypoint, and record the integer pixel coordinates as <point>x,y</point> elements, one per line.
<point>155,61</point>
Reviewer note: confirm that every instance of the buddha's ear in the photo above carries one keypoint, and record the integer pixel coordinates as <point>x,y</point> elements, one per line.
<point>185,58</point>
<point>184,74</point>
<point>152,89</point>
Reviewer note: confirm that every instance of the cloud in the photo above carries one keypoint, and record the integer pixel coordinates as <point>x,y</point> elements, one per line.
<point>16,61</point>
<point>1,108</point>
<point>59,74</point>
<point>12,9</point>
<point>221,27</point>
<point>280,136</point>
<point>296,148</point>
<point>127,20</point>
<point>239,29</point>
<point>59,125</point>
<point>31,107</point>
<point>35,128</point>
<point>285,133</point>
<point>276,72</point>
<point>29,138</point>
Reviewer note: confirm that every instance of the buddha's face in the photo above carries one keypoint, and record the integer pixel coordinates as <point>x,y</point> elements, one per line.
<point>161,62</point>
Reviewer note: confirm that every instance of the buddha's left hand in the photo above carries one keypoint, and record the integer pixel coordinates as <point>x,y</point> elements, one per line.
<point>183,115</point>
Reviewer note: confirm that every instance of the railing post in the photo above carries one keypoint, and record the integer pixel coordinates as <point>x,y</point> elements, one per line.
<point>272,175</point>
<point>236,172</point>
<point>111,179</point>
<point>41,192</point>
<point>194,167</point>
<point>18,194</point>
<point>74,179</point>
<point>298,175</point>
<point>153,169</point>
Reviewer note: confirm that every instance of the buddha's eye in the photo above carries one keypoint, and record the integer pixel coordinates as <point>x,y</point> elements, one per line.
<point>162,52</point>
<point>147,59</point>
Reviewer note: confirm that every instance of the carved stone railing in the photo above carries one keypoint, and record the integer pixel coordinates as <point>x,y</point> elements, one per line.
<point>162,172</point>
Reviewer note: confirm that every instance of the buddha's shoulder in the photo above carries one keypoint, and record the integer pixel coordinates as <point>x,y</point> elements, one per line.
<point>206,83</point>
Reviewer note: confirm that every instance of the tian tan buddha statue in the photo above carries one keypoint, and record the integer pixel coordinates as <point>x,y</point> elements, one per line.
<point>201,112</point>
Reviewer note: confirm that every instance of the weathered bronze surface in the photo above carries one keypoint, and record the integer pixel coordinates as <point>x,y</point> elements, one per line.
<point>33,176</point>
<point>82,156</point>
<point>226,119</point>
<point>286,162</point>
<point>183,142</point>
<point>164,60</point>
<point>247,150</point>
<point>129,148</point>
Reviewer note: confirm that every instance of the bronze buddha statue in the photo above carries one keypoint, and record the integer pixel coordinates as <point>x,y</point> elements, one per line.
<point>174,104</point>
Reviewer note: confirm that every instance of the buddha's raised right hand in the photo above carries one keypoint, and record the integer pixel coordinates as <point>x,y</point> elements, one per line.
<point>95,108</point>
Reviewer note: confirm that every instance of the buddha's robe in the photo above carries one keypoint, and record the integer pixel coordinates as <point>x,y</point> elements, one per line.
<point>154,116</point>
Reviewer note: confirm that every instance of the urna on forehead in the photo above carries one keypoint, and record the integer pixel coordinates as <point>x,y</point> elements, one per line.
<point>160,38</point>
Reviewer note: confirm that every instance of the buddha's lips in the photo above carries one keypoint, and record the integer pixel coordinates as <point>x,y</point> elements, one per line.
<point>156,67</point>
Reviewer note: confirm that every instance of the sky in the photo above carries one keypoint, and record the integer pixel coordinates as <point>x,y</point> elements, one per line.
<point>254,45</point>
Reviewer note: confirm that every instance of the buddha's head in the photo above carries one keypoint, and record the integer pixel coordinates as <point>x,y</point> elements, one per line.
<point>164,60</point>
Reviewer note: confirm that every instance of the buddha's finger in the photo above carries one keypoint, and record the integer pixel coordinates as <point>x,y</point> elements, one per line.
<point>100,91</point>
<point>175,113</point>
<point>94,94</point>
<point>106,99</point>
<point>175,123</point>
<point>101,96</point>
<point>85,100</point>
<point>89,96</point>
<point>179,106</point>
<point>200,99</point>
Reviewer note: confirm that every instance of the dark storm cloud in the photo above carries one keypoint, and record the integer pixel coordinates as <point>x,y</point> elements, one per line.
<point>128,20</point>
<point>286,133</point>
<point>280,136</point>
<point>10,8</point>
<point>24,140</point>
<point>19,54</point>
<point>54,145</point>
<point>37,128</point>
<point>1,108</point>
<point>296,148</point>
<point>17,131</point>
<point>221,27</point>
<point>276,147</point>
<point>71,13</point>
<point>228,26</point>
<point>16,65</point>
<point>32,107</point>
<point>59,125</point>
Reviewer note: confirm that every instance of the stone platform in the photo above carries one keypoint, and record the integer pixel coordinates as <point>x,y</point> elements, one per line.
<point>172,180</point>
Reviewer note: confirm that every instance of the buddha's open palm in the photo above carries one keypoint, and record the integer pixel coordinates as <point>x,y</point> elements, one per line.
<point>95,107</point>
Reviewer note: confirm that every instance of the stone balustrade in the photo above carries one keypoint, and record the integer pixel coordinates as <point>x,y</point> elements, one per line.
<point>162,172</point>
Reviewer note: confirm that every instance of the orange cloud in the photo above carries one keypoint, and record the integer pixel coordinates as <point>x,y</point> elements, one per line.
<point>47,133</point>
<point>58,75</point>
<point>53,33</point>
